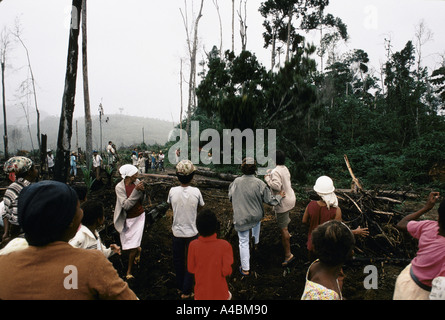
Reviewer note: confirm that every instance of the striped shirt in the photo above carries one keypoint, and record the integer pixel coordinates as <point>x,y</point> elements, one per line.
<point>11,198</point>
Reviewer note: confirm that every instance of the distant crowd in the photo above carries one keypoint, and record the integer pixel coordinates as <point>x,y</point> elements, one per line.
<point>51,241</point>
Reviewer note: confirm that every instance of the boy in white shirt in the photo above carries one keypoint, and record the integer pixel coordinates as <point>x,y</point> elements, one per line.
<point>87,236</point>
<point>185,201</point>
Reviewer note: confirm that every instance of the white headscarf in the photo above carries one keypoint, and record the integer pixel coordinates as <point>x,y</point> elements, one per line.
<point>330,199</point>
<point>324,186</point>
<point>127,170</point>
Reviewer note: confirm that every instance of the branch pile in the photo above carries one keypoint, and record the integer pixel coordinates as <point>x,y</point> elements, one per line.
<point>379,211</point>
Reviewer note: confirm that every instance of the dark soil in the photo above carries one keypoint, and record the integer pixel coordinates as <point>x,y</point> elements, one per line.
<point>155,276</point>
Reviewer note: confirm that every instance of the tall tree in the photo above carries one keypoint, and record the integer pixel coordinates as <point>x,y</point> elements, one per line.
<point>4,44</point>
<point>86,90</point>
<point>285,17</point>
<point>404,93</point>
<point>17,34</point>
<point>193,49</point>
<point>66,118</point>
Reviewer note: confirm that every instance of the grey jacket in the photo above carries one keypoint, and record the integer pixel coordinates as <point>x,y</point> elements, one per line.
<point>247,194</point>
<point>124,203</point>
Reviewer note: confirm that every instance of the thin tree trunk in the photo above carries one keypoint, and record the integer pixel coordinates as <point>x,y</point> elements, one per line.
<point>4,39</point>
<point>34,91</point>
<point>5,136</point>
<point>288,34</point>
<point>86,91</point>
<point>215,2</point>
<point>66,118</point>
<point>192,79</point>
<point>233,26</point>
<point>180,87</point>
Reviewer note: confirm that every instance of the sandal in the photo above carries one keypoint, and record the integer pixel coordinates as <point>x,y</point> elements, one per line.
<point>288,261</point>
<point>129,277</point>
<point>244,273</point>
<point>187,296</point>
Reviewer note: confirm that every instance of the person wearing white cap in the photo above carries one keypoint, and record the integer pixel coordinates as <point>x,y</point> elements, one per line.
<point>185,201</point>
<point>129,216</point>
<point>326,208</point>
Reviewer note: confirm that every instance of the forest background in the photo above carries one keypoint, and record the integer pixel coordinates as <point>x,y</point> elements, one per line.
<point>388,121</point>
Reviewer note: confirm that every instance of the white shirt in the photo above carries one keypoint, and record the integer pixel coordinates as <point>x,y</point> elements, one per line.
<point>184,202</point>
<point>96,160</point>
<point>134,158</point>
<point>85,239</point>
<point>50,161</point>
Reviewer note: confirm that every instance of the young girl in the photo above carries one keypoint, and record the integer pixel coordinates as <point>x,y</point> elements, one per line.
<point>87,236</point>
<point>210,259</point>
<point>333,243</point>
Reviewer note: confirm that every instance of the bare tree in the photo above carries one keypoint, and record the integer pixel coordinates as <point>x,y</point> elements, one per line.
<point>233,26</point>
<point>215,2</point>
<point>66,118</point>
<point>26,111</point>
<point>4,44</point>
<point>423,35</point>
<point>17,33</point>
<point>86,91</point>
<point>192,48</point>
<point>243,24</point>
<point>16,137</point>
<point>182,107</point>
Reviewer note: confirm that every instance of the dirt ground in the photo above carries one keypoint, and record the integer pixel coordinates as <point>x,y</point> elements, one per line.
<point>155,276</point>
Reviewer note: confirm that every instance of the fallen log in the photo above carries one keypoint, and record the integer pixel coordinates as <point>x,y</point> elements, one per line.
<point>173,180</point>
<point>157,212</point>
<point>205,172</point>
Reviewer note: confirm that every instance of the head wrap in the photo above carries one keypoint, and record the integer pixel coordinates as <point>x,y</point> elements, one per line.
<point>45,210</point>
<point>128,170</point>
<point>324,186</point>
<point>17,165</point>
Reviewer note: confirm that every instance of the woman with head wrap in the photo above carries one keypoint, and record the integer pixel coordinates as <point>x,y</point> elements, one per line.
<point>50,268</point>
<point>326,208</point>
<point>25,173</point>
<point>129,216</point>
<point>247,194</point>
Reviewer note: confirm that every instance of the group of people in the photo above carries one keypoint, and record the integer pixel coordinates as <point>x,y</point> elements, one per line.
<point>145,161</point>
<point>49,226</point>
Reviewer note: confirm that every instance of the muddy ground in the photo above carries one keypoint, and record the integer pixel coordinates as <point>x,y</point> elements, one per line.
<point>155,276</point>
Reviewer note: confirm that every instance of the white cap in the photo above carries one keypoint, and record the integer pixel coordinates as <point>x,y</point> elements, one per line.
<point>324,185</point>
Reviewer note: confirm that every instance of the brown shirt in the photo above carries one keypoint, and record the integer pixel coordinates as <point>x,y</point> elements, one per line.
<point>60,272</point>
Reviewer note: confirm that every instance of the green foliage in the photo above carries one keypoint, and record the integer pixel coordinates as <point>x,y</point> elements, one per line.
<point>87,177</point>
<point>390,127</point>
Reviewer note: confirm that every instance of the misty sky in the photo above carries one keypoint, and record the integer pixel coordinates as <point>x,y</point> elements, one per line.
<point>135,47</point>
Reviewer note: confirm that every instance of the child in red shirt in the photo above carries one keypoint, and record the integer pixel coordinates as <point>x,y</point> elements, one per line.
<point>210,259</point>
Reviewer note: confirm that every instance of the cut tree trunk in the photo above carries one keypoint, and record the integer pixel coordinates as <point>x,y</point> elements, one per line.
<point>61,166</point>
